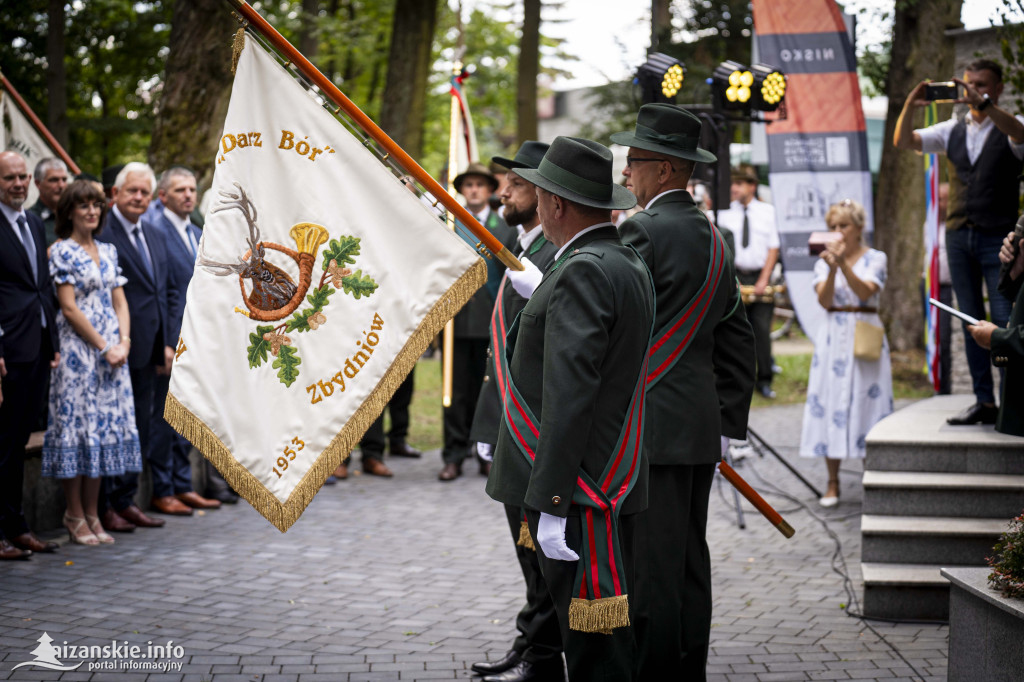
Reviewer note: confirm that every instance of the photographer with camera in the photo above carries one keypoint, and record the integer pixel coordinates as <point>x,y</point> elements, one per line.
<point>985,153</point>
<point>1007,345</point>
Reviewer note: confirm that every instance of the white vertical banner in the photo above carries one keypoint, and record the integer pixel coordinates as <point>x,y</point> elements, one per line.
<point>321,279</point>
<point>20,136</point>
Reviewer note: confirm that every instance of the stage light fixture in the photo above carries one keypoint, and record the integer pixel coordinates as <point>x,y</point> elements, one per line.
<point>737,87</point>
<point>769,87</point>
<point>660,78</point>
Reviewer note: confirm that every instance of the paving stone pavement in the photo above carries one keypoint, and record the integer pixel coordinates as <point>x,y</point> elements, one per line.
<point>414,579</point>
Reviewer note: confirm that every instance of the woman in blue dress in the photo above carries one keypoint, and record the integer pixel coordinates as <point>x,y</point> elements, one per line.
<point>846,394</point>
<point>91,431</point>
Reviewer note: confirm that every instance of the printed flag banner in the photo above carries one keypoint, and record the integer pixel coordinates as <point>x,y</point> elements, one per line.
<point>463,134</point>
<point>320,281</point>
<point>818,155</point>
<point>932,231</point>
<point>18,135</point>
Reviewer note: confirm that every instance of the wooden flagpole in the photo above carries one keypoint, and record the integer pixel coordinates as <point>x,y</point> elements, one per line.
<point>448,335</point>
<point>38,125</point>
<point>331,91</point>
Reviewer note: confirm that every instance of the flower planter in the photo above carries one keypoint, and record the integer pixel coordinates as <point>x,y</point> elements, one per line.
<point>986,629</point>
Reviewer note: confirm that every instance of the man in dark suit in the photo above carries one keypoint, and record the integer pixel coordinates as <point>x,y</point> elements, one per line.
<point>539,644</point>
<point>690,405</point>
<point>51,177</point>
<point>28,348</point>
<point>169,464</point>
<point>152,294</point>
<point>567,449</point>
<point>469,357</point>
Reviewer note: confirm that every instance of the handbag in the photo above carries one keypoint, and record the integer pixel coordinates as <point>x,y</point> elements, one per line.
<point>867,341</point>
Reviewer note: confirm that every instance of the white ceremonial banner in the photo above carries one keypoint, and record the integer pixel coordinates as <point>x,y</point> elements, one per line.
<point>18,135</point>
<point>320,281</point>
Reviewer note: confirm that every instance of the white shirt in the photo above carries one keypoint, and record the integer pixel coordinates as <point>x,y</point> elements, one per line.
<point>181,226</point>
<point>935,139</point>
<point>764,235</point>
<point>579,234</point>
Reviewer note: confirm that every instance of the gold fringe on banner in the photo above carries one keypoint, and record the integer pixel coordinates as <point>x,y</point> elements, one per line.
<point>525,539</point>
<point>245,484</point>
<point>599,615</point>
<point>237,45</point>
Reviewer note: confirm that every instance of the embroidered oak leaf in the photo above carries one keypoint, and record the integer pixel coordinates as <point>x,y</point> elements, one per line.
<point>316,320</point>
<point>343,251</point>
<point>259,347</point>
<point>277,341</point>
<point>287,365</point>
<point>338,273</point>
<point>358,284</point>
<point>299,322</point>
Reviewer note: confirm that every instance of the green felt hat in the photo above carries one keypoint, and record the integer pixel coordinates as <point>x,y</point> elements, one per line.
<point>477,169</point>
<point>580,171</point>
<point>528,156</point>
<point>666,129</point>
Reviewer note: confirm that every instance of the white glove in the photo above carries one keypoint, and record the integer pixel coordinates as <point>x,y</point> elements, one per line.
<point>527,280</point>
<point>486,451</point>
<point>551,538</point>
<point>725,445</point>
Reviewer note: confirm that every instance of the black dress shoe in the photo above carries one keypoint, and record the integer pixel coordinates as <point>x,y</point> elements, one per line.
<point>766,391</point>
<point>399,448</point>
<point>975,414</point>
<point>524,671</point>
<point>223,495</point>
<point>510,659</point>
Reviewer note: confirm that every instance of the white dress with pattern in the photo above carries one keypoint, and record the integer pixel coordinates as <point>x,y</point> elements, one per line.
<point>846,396</point>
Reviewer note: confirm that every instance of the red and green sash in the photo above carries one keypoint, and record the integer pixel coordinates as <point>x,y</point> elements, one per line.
<point>602,603</point>
<point>669,343</point>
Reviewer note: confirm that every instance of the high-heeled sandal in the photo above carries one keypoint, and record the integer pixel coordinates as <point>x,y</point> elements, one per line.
<point>97,529</point>
<point>830,500</point>
<point>75,532</point>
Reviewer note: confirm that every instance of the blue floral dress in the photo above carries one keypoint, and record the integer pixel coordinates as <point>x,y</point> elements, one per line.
<point>91,426</point>
<point>846,396</point>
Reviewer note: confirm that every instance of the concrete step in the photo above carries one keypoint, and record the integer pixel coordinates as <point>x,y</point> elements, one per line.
<point>928,539</point>
<point>917,438</point>
<point>911,591</point>
<point>917,493</point>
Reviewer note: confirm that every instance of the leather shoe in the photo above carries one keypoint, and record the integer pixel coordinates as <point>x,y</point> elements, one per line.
<point>375,467</point>
<point>197,501</point>
<point>510,659</point>
<point>524,671</point>
<point>223,495</point>
<point>341,473</point>
<point>170,505</point>
<point>33,544</point>
<point>450,472</point>
<point>116,523</point>
<point>399,448</point>
<point>975,414</point>
<point>9,552</point>
<point>133,514</point>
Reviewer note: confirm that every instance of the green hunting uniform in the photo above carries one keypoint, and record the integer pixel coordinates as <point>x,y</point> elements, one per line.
<point>575,352</point>
<point>704,396</point>
<point>1008,353</point>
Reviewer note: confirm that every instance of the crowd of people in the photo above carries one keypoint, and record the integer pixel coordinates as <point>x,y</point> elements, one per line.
<point>628,320</point>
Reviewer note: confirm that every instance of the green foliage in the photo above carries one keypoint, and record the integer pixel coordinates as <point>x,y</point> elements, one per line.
<point>258,346</point>
<point>358,285</point>
<point>343,251</point>
<point>317,299</point>
<point>873,65</point>
<point>1011,43</point>
<point>287,365</point>
<point>1007,561</point>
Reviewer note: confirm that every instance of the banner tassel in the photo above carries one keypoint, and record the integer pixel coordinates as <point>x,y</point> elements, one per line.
<point>525,539</point>
<point>599,615</point>
<point>237,45</point>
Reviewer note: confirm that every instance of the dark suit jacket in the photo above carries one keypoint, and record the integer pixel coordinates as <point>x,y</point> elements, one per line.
<point>487,419</point>
<point>182,262</point>
<point>1008,352</point>
<point>707,393</point>
<point>21,294</point>
<point>150,298</point>
<point>576,351</point>
<point>474,320</point>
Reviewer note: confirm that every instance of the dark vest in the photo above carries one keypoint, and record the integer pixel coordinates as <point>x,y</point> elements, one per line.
<point>987,194</point>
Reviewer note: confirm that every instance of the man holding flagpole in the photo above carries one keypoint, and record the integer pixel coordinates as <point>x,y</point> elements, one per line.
<point>569,447</point>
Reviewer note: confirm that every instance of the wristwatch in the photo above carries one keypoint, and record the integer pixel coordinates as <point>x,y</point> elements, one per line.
<point>985,103</point>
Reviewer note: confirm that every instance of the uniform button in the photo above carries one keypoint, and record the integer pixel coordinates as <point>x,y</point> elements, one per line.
<point>556,500</point>
<point>489,354</point>
<point>486,378</point>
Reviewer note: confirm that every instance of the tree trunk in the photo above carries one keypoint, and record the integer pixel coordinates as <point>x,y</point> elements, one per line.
<point>196,89</point>
<point>920,50</point>
<point>56,74</point>
<point>529,69</point>
<point>309,41</point>
<point>405,92</point>
<point>661,24</point>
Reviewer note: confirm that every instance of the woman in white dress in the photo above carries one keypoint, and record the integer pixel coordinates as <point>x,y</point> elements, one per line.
<point>846,395</point>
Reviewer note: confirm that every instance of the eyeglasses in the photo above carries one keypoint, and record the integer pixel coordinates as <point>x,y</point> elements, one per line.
<point>630,160</point>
